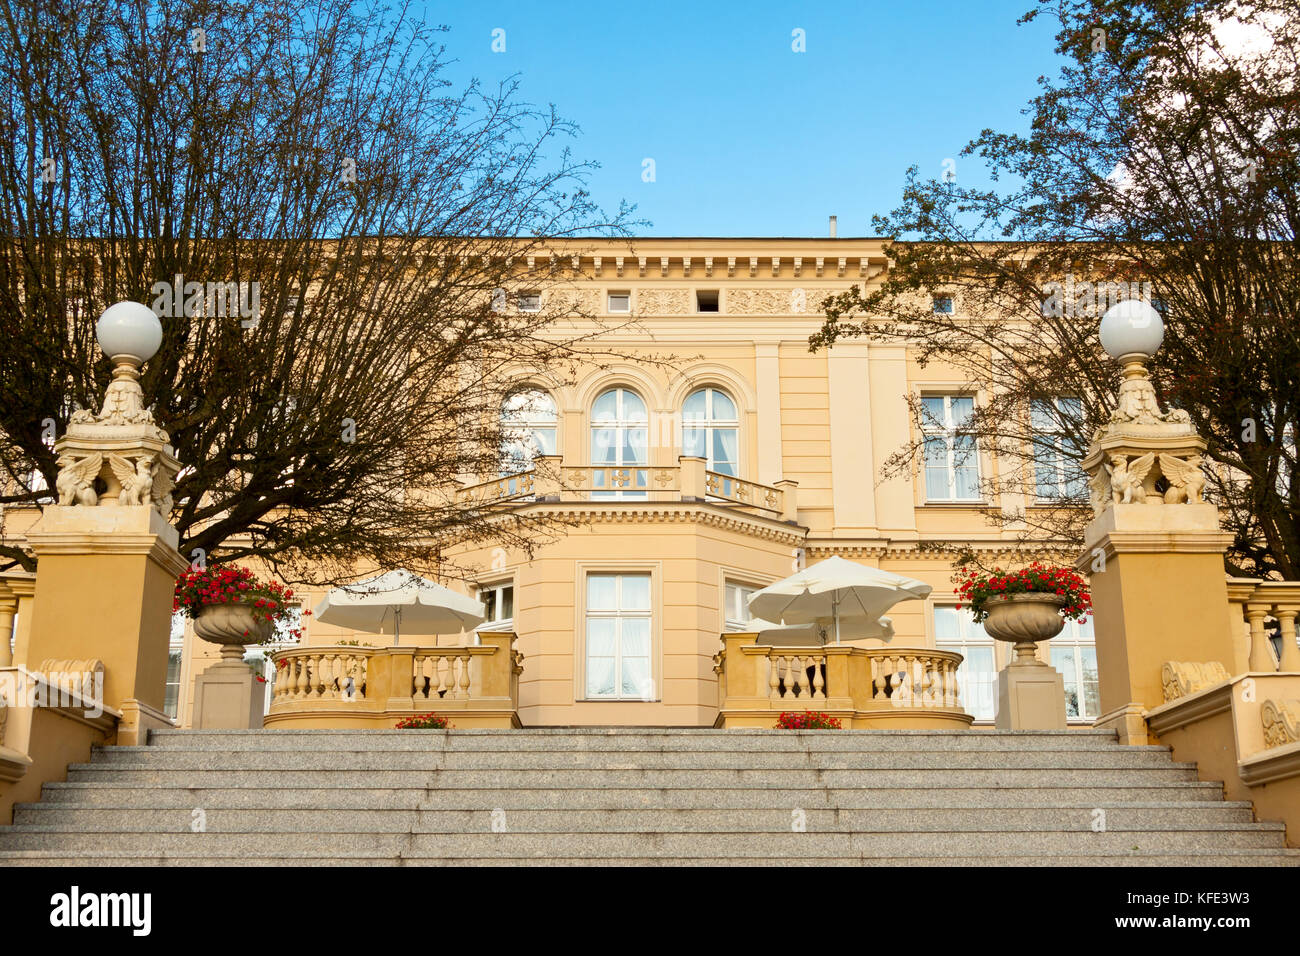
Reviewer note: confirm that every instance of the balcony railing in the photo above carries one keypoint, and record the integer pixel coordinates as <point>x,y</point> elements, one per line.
<point>864,687</point>
<point>1255,602</point>
<point>550,480</point>
<point>346,686</point>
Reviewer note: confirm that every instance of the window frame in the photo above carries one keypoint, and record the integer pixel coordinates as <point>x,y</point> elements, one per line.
<point>1059,464</point>
<point>949,433</point>
<point>484,588</point>
<point>982,639</point>
<point>621,425</point>
<point>709,424</point>
<point>1076,642</point>
<point>526,428</point>
<point>713,292</point>
<point>585,573</point>
<point>611,294</point>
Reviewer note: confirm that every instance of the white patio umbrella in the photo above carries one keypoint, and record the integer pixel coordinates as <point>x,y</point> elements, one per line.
<point>401,597</point>
<point>837,589</point>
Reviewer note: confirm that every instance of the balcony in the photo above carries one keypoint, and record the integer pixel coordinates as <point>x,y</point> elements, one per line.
<point>690,480</point>
<point>374,687</point>
<point>866,688</point>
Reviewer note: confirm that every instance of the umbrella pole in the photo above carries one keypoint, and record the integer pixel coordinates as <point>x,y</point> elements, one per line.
<point>397,629</point>
<point>835,611</point>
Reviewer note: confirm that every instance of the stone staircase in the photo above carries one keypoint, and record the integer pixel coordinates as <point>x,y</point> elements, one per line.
<point>637,795</point>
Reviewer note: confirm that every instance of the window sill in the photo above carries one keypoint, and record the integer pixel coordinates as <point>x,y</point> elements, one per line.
<point>961,503</point>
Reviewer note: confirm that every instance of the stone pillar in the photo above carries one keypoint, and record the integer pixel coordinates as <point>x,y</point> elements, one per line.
<point>8,608</point>
<point>107,558</point>
<point>1154,552</point>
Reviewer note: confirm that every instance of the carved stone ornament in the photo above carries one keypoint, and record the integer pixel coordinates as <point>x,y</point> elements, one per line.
<point>1143,455</point>
<point>1281,720</point>
<point>117,456</point>
<point>1180,679</point>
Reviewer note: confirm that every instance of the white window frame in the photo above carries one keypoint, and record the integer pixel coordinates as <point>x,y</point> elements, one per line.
<point>621,424</point>
<point>1064,471</point>
<point>534,298</point>
<point>710,423</point>
<point>175,644</point>
<point>525,428</point>
<point>1071,638</point>
<point>949,432</point>
<point>969,637</point>
<point>937,299</point>
<point>743,590</point>
<point>619,615</point>
<point>618,293</point>
<point>495,587</point>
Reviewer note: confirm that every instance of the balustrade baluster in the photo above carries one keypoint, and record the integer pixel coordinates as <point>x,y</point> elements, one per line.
<point>796,674</point>
<point>773,675</point>
<point>819,682</point>
<point>327,676</point>
<point>464,677</point>
<point>417,678</point>
<point>1290,661</point>
<point>302,677</point>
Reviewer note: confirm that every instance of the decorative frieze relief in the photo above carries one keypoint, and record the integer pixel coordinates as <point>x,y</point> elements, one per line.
<point>1281,720</point>
<point>1180,679</point>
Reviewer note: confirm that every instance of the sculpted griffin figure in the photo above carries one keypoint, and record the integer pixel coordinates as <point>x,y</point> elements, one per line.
<point>1126,477</point>
<point>76,481</point>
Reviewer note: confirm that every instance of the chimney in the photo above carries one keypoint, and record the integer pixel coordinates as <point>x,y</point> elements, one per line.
<point>833,218</point>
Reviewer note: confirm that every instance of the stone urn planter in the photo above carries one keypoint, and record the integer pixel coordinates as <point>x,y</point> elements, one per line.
<point>232,626</point>
<point>1024,620</point>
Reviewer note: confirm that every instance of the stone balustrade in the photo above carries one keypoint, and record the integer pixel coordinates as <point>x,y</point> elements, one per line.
<point>551,480</point>
<point>1253,604</point>
<point>863,686</point>
<point>345,686</point>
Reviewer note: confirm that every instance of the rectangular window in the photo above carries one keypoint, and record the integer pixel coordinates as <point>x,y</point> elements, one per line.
<point>951,456</point>
<point>499,606</point>
<point>619,302</point>
<point>530,302</point>
<point>708,300</point>
<point>175,654</point>
<point>618,637</point>
<point>736,612</point>
<point>1056,474</point>
<point>1074,654</point>
<point>977,676</point>
<point>942,305</point>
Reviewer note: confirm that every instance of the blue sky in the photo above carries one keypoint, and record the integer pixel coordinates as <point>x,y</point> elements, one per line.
<point>748,137</point>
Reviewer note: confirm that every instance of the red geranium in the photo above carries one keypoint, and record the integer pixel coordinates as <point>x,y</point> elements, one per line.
<point>976,588</point>
<point>807,720</point>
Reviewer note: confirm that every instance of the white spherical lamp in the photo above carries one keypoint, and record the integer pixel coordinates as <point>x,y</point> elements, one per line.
<point>1131,327</point>
<point>130,330</point>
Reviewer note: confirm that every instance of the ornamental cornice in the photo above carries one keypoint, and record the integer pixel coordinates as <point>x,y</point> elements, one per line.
<point>670,512</point>
<point>886,548</point>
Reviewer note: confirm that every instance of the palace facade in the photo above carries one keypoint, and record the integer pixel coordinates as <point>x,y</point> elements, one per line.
<point>728,459</point>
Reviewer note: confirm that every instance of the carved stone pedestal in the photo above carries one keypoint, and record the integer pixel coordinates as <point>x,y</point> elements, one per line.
<point>1031,696</point>
<point>228,695</point>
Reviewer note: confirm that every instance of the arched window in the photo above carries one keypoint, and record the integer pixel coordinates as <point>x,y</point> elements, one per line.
<point>528,425</point>
<point>711,430</point>
<point>619,433</point>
